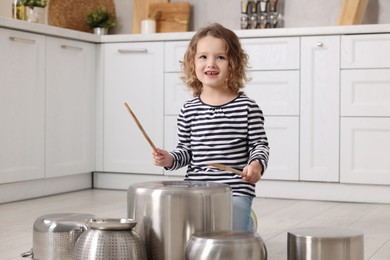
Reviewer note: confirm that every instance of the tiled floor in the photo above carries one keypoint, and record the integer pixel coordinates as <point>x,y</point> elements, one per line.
<point>276,216</point>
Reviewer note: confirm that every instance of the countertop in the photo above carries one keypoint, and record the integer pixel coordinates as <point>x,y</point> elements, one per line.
<point>257,33</point>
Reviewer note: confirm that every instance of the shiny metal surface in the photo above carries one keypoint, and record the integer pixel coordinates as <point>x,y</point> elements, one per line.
<point>55,235</point>
<point>226,245</point>
<point>314,243</point>
<point>169,212</point>
<point>110,239</point>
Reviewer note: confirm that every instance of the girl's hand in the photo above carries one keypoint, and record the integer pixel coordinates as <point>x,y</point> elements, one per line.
<point>162,158</point>
<point>253,172</point>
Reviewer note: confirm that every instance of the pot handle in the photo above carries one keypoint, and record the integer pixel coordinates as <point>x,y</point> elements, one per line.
<point>28,254</point>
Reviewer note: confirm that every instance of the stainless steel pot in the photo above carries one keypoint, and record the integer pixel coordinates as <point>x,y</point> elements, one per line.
<point>110,239</point>
<point>55,235</point>
<point>226,245</point>
<point>169,212</point>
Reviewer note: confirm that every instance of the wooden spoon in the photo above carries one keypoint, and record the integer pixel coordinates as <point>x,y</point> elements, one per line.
<point>226,168</point>
<point>141,128</point>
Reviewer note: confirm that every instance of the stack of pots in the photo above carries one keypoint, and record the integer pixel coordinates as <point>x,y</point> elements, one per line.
<point>169,212</point>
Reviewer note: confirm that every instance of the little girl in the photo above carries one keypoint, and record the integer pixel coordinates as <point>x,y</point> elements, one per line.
<point>220,124</point>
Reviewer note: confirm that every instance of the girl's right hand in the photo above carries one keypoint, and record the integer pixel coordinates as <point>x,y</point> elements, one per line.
<point>162,158</point>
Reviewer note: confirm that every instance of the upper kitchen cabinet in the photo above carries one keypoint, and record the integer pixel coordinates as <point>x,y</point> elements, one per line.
<point>70,102</point>
<point>320,95</point>
<point>133,74</point>
<point>22,106</point>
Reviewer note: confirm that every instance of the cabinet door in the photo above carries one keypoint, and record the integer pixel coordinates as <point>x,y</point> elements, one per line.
<point>70,103</point>
<point>365,149</point>
<point>174,54</point>
<point>319,129</point>
<point>283,137</point>
<point>133,74</point>
<point>22,70</point>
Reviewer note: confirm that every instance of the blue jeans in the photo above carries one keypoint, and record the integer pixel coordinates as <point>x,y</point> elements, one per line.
<point>242,218</point>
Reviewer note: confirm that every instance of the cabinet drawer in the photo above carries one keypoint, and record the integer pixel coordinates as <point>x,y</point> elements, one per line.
<point>276,92</point>
<point>272,53</point>
<point>365,92</point>
<point>174,53</point>
<point>364,150</point>
<point>365,51</point>
<point>176,93</point>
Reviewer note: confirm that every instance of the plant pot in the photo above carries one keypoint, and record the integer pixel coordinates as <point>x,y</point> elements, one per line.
<point>100,31</point>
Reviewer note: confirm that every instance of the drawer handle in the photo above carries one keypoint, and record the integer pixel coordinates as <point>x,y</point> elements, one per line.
<point>74,48</point>
<point>320,44</point>
<point>24,40</point>
<point>135,50</point>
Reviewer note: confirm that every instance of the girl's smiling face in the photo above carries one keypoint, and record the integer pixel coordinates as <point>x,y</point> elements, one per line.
<point>211,62</point>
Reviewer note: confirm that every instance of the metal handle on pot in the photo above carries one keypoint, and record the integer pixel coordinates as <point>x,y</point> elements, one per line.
<point>28,254</point>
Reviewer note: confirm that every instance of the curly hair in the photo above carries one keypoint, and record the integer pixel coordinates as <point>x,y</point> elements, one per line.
<point>238,59</point>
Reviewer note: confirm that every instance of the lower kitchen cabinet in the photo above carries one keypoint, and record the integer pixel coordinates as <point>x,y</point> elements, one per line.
<point>133,75</point>
<point>22,106</point>
<point>365,150</point>
<point>70,102</point>
<point>320,112</point>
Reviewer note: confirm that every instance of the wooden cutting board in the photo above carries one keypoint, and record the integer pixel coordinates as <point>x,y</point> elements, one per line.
<point>170,17</point>
<point>140,12</point>
<point>352,12</point>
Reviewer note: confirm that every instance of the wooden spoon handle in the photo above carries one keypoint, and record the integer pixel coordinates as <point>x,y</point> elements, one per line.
<point>140,127</point>
<point>226,168</point>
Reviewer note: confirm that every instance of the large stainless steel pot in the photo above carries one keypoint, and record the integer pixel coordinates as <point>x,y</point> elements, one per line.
<point>169,212</point>
<point>110,239</point>
<point>54,235</point>
<point>226,245</point>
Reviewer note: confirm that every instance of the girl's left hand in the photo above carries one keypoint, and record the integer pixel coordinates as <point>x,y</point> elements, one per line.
<point>252,172</point>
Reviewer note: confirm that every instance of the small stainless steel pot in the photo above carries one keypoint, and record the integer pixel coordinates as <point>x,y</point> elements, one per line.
<point>55,235</point>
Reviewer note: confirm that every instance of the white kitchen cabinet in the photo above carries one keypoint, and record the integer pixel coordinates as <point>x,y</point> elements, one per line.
<point>319,122</point>
<point>276,53</point>
<point>174,54</point>
<point>365,51</point>
<point>365,92</point>
<point>283,137</point>
<point>175,94</point>
<point>365,150</point>
<point>22,106</point>
<point>70,101</point>
<point>133,73</point>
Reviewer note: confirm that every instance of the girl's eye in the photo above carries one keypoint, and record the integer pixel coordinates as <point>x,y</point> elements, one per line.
<point>221,57</point>
<point>202,57</point>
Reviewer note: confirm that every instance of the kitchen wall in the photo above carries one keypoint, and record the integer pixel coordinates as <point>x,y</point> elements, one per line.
<point>296,13</point>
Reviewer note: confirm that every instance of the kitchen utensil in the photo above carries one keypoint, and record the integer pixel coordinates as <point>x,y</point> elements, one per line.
<point>169,212</point>
<point>55,235</point>
<point>172,17</point>
<point>226,245</point>
<point>140,12</point>
<point>352,12</point>
<point>226,168</point>
<point>140,127</point>
<point>110,239</point>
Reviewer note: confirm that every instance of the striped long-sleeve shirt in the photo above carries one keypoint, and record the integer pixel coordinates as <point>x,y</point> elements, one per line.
<point>231,134</point>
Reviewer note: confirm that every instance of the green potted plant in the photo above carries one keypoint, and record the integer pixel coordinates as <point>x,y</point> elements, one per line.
<point>100,20</point>
<point>34,9</point>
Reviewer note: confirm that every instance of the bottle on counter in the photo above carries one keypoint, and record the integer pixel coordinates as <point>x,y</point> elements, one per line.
<point>18,10</point>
